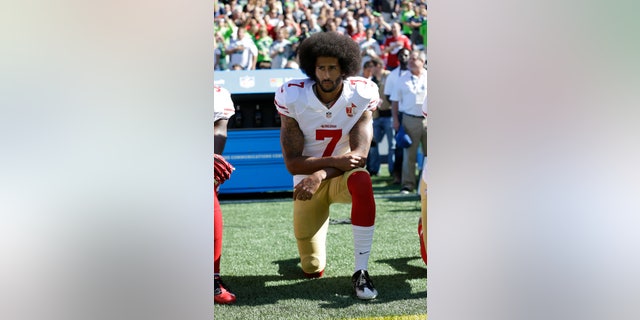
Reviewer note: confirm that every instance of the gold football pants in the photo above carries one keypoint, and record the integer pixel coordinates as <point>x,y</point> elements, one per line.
<point>311,221</point>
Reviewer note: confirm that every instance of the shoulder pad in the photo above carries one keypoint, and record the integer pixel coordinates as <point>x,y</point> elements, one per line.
<point>288,94</point>
<point>364,89</point>
<point>292,89</point>
<point>221,90</point>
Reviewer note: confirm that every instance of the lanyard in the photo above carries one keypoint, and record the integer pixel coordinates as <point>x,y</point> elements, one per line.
<point>415,86</point>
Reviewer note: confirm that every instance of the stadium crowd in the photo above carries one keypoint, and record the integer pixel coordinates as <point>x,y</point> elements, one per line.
<point>265,34</point>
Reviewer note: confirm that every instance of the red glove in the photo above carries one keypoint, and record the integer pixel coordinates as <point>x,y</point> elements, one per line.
<point>221,169</point>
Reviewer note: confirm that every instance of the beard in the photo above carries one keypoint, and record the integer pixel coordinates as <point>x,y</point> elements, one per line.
<point>328,86</point>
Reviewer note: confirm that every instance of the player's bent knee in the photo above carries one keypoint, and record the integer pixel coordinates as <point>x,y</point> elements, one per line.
<point>311,265</point>
<point>359,183</point>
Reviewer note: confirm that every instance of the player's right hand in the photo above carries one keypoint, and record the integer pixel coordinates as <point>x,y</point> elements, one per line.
<point>221,169</point>
<point>306,188</point>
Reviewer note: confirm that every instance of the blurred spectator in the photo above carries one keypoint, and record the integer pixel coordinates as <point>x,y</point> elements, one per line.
<point>389,88</point>
<point>347,19</point>
<point>406,13</point>
<point>275,6</point>
<point>369,47</point>
<point>340,7</point>
<point>220,59</point>
<point>304,34</point>
<point>238,16</point>
<point>313,25</point>
<point>316,6</point>
<point>226,27</point>
<point>393,44</point>
<point>250,6</point>
<point>263,43</point>
<point>423,28</point>
<point>292,26</point>
<point>299,11</point>
<point>242,51</point>
<point>361,32</point>
<point>381,29</point>
<point>217,8</point>
<point>289,8</point>
<point>331,26</point>
<point>274,20</point>
<point>367,70</point>
<point>418,25</point>
<point>387,8</point>
<point>382,126</point>
<point>281,49</point>
<point>341,29</point>
<point>253,28</point>
<point>258,14</point>
<point>367,17</point>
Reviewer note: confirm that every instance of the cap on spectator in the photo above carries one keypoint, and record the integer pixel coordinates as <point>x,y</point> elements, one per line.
<point>376,14</point>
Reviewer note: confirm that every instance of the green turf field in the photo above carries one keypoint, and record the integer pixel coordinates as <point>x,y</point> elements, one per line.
<point>260,262</point>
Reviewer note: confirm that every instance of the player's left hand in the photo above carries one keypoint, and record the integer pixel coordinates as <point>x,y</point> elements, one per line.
<point>221,169</point>
<point>349,161</point>
<point>306,188</point>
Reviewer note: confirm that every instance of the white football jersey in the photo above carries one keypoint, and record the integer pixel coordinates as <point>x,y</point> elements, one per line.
<point>222,104</point>
<point>326,130</point>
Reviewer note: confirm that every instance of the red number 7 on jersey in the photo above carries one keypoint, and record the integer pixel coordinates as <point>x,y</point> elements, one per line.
<point>334,135</point>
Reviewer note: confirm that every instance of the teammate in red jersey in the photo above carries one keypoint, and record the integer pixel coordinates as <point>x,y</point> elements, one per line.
<point>222,110</point>
<point>326,131</point>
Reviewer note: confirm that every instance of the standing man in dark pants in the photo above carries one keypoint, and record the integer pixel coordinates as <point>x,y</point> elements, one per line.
<point>389,87</point>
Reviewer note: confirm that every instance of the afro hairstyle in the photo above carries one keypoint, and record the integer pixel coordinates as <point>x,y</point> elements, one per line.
<point>329,44</point>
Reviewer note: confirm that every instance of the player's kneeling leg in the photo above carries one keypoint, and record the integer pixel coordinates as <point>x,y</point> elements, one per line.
<point>363,209</point>
<point>312,266</point>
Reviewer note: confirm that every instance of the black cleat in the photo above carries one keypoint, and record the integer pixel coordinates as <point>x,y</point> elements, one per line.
<point>363,285</point>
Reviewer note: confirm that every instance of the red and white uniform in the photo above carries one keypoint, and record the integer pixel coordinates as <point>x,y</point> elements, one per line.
<point>326,129</point>
<point>222,110</point>
<point>222,104</point>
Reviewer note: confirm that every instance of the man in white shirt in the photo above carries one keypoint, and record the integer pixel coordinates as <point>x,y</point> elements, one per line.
<point>243,51</point>
<point>389,85</point>
<point>280,49</point>
<point>369,47</point>
<point>407,99</point>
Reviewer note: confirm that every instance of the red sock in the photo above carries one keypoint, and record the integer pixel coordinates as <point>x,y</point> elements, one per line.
<point>363,207</point>
<point>217,233</point>
<point>423,247</point>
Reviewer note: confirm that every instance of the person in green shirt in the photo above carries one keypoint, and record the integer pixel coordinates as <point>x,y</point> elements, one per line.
<point>418,24</point>
<point>263,43</point>
<point>226,27</point>
<point>423,32</point>
<point>220,59</point>
<point>406,13</point>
